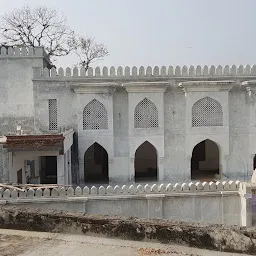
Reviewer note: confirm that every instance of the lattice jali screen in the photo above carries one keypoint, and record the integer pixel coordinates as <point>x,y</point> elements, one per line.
<point>146,114</point>
<point>207,112</point>
<point>53,114</point>
<point>95,116</point>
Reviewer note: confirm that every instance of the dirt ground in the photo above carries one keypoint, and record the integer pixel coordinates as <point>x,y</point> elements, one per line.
<point>24,243</point>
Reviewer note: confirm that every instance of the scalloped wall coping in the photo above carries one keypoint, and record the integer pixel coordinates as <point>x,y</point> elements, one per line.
<point>178,71</point>
<point>16,51</point>
<point>61,193</point>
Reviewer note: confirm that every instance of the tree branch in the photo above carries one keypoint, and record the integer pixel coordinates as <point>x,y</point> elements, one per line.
<point>40,26</point>
<point>87,50</point>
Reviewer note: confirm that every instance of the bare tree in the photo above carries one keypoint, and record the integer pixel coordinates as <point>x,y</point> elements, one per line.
<point>87,50</point>
<point>40,26</point>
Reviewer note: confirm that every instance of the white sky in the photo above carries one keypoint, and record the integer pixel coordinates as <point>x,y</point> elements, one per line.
<point>161,32</point>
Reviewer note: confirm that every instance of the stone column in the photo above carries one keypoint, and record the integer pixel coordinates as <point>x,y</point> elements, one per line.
<point>66,168</point>
<point>111,173</point>
<point>81,171</point>
<point>132,170</point>
<point>223,166</point>
<point>246,204</point>
<point>160,161</point>
<point>185,175</point>
<point>250,167</point>
<point>37,165</point>
<point>70,181</point>
<point>60,170</point>
<point>155,206</point>
<point>6,165</point>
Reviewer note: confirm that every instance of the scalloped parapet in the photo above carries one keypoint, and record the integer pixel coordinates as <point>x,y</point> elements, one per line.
<point>62,192</point>
<point>158,72</point>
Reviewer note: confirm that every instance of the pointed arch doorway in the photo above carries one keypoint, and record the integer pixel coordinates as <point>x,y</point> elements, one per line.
<point>96,164</point>
<point>145,163</point>
<point>205,161</point>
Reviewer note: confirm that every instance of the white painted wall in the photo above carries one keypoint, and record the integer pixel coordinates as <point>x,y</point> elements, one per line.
<point>175,137</point>
<point>87,137</point>
<point>16,97</point>
<point>136,93</point>
<point>202,207</point>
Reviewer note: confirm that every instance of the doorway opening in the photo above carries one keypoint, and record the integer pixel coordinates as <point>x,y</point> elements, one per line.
<point>205,161</point>
<point>19,176</point>
<point>48,171</point>
<point>96,164</point>
<point>145,163</point>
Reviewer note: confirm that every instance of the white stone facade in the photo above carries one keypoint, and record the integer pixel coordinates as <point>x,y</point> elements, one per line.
<point>172,109</point>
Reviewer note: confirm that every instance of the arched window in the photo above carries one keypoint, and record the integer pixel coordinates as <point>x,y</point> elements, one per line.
<point>146,114</point>
<point>95,116</point>
<point>207,112</point>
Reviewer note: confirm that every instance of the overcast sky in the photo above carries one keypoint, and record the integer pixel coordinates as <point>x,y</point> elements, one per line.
<point>161,32</point>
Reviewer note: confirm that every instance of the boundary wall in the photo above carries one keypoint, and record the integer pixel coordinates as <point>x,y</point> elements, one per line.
<point>216,203</point>
<point>226,70</point>
<point>177,71</point>
<point>14,194</point>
